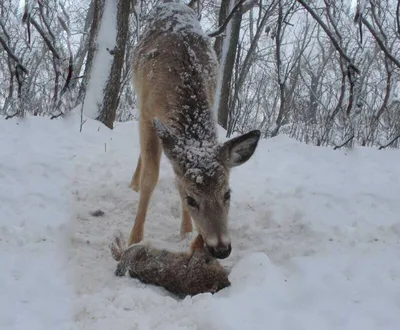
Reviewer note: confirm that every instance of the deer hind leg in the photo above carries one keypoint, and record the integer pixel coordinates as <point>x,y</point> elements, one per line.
<point>149,170</point>
<point>135,183</point>
<point>186,223</point>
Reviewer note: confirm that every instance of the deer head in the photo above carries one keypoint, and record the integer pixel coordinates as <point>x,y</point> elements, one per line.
<point>202,176</point>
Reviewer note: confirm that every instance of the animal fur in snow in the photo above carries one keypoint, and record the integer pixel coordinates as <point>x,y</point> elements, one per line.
<point>178,272</point>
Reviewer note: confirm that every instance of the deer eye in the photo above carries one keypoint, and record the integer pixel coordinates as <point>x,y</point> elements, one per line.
<point>191,202</point>
<point>227,196</point>
<point>208,261</point>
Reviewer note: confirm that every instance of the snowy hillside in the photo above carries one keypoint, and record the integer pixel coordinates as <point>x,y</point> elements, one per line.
<point>315,235</point>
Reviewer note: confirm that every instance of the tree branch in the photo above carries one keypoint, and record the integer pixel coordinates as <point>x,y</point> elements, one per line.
<point>71,57</point>
<point>389,143</point>
<point>328,32</point>
<point>398,16</point>
<point>12,55</point>
<point>46,40</point>
<point>344,143</point>
<point>380,42</point>
<point>222,28</point>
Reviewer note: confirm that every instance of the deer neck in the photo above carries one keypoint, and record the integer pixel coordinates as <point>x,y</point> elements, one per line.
<point>192,118</point>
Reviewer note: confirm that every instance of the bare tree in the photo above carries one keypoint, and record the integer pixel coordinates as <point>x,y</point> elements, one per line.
<point>111,92</point>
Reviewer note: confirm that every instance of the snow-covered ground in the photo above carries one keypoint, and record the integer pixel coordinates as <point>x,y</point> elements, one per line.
<point>315,235</point>
<point>36,210</point>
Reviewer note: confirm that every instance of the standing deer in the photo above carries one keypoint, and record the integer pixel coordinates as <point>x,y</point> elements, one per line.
<point>174,76</point>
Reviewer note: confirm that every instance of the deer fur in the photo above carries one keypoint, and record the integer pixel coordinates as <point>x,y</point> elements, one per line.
<point>174,76</point>
<point>180,273</point>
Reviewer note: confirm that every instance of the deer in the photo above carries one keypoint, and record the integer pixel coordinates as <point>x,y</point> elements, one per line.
<point>174,75</point>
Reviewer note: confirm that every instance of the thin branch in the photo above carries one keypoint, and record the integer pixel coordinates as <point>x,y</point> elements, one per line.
<point>390,143</point>
<point>398,16</point>
<point>222,28</point>
<point>45,20</point>
<point>380,42</point>
<point>71,58</point>
<point>26,18</point>
<point>328,32</point>
<point>11,116</point>
<point>19,81</point>
<point>344,143</point>
<point>46,40</point>
<point>3,26</point>
<point>12,55</point>
<point>351,91</point>
<point>60,113</point>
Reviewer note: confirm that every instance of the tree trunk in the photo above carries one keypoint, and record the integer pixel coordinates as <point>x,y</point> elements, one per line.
<point>223,13</point>
<point>94,30</point>
<point>245,68</point>
<point>280,75</point>
<point>83,46</point>
<point>227,63</point>
<point>111,92</point>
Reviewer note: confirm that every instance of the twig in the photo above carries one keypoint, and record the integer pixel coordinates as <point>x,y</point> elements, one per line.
<point>388,144</point>
<point>343,144</point>
<point>222,28</point>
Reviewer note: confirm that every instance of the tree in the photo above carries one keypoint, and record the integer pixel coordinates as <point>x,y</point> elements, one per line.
<point>111,92</point>
<point>227,61</point>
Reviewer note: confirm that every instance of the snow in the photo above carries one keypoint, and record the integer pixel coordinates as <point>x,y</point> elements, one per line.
<point>315,235</point>
<point>177,18</point>
<point>35,215</point>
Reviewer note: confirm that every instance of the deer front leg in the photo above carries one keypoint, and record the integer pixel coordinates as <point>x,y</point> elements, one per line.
<point>150,168</point>
<point>135,183</point>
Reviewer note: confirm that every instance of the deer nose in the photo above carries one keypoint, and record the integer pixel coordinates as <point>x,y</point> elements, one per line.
<point>220,251</point>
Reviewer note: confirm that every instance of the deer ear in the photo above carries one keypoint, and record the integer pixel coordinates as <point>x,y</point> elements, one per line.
<point>168,139</point>
<point>238,150</point>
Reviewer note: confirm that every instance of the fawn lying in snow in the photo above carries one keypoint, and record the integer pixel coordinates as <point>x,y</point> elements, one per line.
<point>178,272</point>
